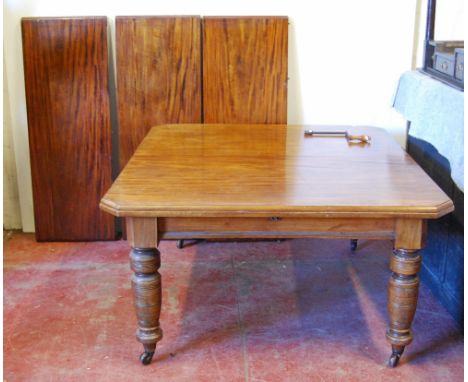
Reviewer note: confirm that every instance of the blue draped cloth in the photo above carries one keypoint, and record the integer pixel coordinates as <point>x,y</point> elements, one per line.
<point>435,111</point>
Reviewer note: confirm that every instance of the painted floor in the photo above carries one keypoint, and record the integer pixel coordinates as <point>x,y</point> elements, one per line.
<point>297,310</point>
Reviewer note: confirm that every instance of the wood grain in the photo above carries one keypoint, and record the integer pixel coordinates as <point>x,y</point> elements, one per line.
<point>245,69</point>
<point>410,233</point>
<point>158,75</point>
<point>67,96</point>
<point>274,227</point>
<point>146,285</point>
<point>403,291</point>
<point>272,170</point>
<point>142,232</point>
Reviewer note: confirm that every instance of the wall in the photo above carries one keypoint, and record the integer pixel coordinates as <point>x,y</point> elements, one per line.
<point>345,58</point>
<point>449,24</point>
<point>11,208</point>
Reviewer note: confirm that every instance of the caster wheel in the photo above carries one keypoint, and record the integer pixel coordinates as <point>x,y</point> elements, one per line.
<point>180,244</point>
<point>146,357</point>
<point>397,351</point>
<point>353,244</point>
<point>393,360</point>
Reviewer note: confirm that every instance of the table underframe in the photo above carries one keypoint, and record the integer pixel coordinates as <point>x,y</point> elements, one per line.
<point>408,234</point>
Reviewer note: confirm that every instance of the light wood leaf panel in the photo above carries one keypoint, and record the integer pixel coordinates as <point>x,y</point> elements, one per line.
<point>158,75</point>
<point>245,69</point>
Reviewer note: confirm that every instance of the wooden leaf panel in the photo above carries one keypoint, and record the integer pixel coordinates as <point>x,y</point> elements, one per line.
<point>245,69</point>
<point>67,96</point>
<point>158,75</point>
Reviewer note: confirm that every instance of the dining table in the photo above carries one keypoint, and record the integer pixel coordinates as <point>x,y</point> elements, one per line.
<point>266,181</point>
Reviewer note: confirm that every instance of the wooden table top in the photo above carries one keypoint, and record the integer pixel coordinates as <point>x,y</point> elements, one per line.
<point>271,170</point>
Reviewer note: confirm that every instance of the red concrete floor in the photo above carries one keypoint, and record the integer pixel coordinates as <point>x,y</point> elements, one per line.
<point>299,310</point>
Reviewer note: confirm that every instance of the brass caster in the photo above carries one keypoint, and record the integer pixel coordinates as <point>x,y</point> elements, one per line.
<point>393,360</point>
<point>395,356</point>
<point>353,244</point>
<point>146,357</point>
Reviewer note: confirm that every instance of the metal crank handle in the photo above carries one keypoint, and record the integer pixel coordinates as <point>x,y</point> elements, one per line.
<point>361,138</point>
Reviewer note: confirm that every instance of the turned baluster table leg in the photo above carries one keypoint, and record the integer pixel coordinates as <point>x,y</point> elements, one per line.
<point>403,288</point>
<point>145,260</point>
<point>402,299</point>
<point>146,284</point>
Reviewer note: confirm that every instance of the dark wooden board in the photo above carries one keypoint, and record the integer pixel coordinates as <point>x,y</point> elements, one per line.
<point>245,69</point>
<point>158,75</point>
<point>67,96</point>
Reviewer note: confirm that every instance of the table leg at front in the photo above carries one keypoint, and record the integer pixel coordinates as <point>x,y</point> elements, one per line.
<point>146,284</point>
<point>403,293</point>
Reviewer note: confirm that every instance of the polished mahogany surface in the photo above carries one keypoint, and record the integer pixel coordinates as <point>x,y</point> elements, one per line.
<point>158,75</point>
<point>245,69</point>
<point>67,97</point>
<point>272,170</point>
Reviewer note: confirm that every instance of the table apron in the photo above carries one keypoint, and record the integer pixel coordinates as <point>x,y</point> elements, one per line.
<point>275,227</point>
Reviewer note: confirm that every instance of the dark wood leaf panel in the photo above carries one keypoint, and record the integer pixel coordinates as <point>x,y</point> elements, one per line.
<point>67,97</point>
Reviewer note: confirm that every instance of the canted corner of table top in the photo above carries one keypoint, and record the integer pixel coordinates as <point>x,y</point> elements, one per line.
<point>110,207</point>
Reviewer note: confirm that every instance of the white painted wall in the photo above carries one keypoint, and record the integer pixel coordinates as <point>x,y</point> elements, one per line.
<point>11,208</point>
<point>345,58</point>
